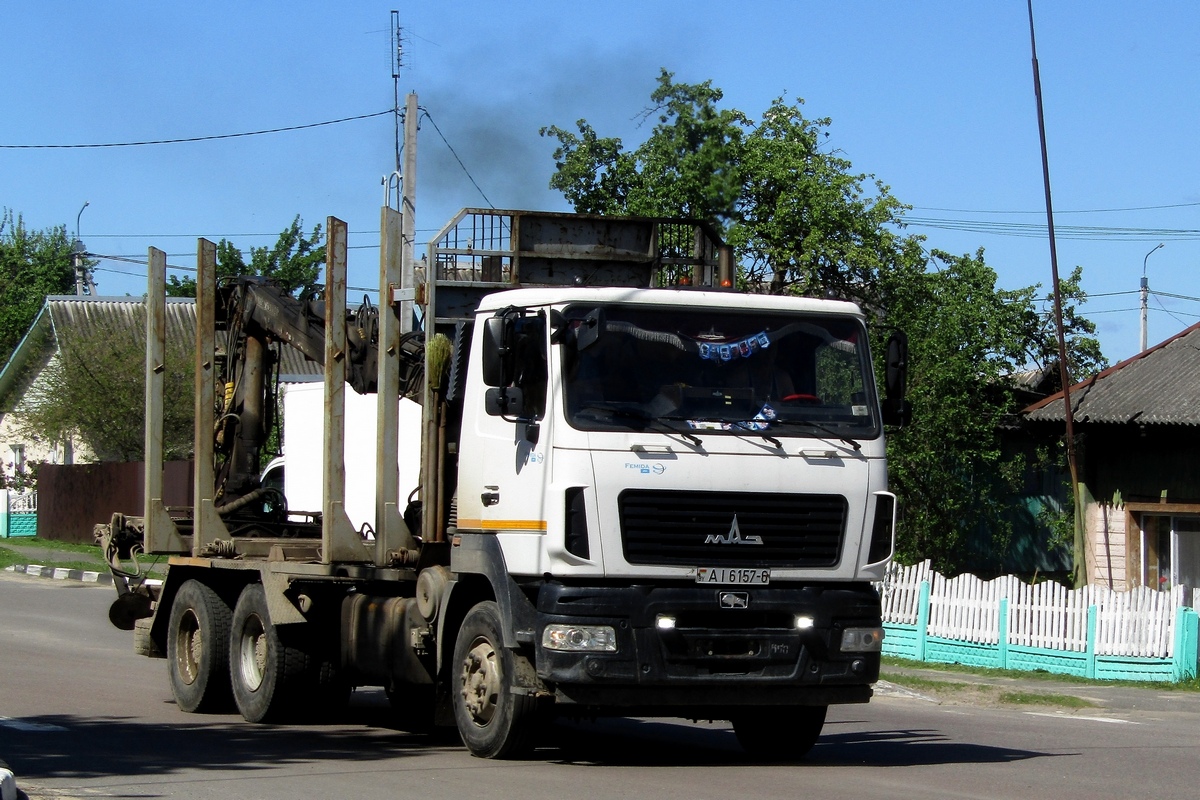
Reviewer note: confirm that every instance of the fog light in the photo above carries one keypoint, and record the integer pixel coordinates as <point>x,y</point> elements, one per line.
<point>862,640</point>
<point>804,623</point>
<point>664,622</point>
<point>590,638</point>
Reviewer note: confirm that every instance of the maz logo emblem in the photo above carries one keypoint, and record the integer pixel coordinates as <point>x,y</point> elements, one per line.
<point>733,537</point>
<point>734,600</point>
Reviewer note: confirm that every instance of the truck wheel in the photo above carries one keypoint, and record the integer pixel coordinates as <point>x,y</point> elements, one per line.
<point>779,734</point>
<point>198,649</point>
<point>261,667</point>
<point>492,721</point>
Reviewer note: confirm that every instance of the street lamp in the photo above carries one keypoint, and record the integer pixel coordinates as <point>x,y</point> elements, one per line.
<point>77,253</point>
<point>1145,294</point>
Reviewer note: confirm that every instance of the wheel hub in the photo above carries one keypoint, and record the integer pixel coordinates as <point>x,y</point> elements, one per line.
<point>190,649</point>
<point>481,681</point>
<point>254,653</point>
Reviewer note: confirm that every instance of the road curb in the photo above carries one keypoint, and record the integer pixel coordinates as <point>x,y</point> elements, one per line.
<point>59,573</point>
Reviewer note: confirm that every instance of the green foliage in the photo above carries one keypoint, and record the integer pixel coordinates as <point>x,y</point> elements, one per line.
<point>33,264</point>
<point>93,390</point>
<point>800,221</point>
<point>19,477</point>
<point>294,261</point>
<point>688,167</point>
<point>803,222</point>
<point>809,225</point>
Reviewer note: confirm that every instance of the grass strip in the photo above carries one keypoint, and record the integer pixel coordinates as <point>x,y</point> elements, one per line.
<point>1192,685</point>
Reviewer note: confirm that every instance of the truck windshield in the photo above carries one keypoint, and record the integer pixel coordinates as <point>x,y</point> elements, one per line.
<point>721,371</point>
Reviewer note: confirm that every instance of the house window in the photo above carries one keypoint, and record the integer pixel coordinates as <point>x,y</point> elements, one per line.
<point>1170,551</point>
<point>18,457</point>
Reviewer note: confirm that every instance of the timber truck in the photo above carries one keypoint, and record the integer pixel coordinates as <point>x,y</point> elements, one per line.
<point>642,492</point>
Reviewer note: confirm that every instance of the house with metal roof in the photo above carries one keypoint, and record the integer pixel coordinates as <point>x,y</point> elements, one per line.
<point>1137,428</point>
<point>62,315</point>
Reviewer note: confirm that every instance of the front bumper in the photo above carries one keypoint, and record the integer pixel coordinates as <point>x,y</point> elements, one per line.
<point>729,647</point>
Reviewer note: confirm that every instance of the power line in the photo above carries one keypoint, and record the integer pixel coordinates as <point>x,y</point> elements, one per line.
<point>193,138</point>
<point>1075,211</point>
<point>459,160</point>
<point>220,235</point>
<point>1038,230</point>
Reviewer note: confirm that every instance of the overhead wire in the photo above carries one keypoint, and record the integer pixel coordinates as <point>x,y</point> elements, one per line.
<point>1038,230</point>
<point>1074,211</point>
<point>194,138</point>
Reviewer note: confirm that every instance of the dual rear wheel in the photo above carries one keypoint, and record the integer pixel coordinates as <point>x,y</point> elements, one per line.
<point>220,656</point>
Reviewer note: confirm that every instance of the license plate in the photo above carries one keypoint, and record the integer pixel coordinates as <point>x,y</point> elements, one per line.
<point>741,576</point>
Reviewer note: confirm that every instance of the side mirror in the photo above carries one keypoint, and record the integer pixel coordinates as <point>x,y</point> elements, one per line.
<point>896,409</point>
<point>496,352</point>
<point>896,366</point>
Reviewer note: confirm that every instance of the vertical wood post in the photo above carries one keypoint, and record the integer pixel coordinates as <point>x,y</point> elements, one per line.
<point>161,534</point>
<point>339,541</point>
<point>207,525</point>
<point>390,531</point>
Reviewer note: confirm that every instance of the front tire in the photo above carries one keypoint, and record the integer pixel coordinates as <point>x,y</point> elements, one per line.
<point>198,649</point>
<point>492,721</point>
<point>779,734</point>
<point>262,668</point>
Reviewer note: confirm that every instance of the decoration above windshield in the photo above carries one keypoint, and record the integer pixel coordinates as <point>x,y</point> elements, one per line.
<point>743,349</point>
<point>717,370</point>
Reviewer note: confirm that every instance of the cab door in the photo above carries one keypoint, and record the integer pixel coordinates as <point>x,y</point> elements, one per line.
<point>505,452</point>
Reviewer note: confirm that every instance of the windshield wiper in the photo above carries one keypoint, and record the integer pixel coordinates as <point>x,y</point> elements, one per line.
<point>818,426</point>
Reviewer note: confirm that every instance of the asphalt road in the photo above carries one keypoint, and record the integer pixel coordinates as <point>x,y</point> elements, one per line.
<point>81,716</point>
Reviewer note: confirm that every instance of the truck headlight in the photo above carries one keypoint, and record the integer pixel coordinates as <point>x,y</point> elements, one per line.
<point>862,640</point>
<point>577,638</point>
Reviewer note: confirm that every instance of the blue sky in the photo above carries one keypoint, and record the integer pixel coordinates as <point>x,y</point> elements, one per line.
<point>934,98</point>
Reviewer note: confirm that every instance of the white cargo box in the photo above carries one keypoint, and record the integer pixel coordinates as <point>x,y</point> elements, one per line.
<point>304,440</point>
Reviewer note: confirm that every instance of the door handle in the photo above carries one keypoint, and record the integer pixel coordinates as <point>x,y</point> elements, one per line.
<point>490,497</point>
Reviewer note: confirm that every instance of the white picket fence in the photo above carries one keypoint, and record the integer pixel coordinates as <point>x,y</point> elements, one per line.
<point>1138,623</point>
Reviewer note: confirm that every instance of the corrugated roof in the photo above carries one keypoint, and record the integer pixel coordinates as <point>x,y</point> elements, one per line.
<point>120,315</point>
<point>1159,386</point>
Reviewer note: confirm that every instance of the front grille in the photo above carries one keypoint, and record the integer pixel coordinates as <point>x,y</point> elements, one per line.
<point>697,528</point>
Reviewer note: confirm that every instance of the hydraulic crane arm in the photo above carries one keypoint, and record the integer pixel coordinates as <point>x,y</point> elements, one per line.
<point>258,316</point>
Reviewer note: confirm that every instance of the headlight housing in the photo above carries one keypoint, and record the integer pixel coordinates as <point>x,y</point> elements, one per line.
<point>862,640</point>
<point>580,638</point>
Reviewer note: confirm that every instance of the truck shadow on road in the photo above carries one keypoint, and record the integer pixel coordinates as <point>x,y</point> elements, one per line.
<point>64,747</point>
<point>631,742</point>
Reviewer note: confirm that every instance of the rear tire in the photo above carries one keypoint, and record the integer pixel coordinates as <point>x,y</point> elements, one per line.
<point>492,721</point>
<point>779,734</point>
<point>263,670</point>
<point>198,649</point>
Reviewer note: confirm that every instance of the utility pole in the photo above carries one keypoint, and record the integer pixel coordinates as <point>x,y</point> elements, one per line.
<point>1082,558</point>
<point>1145,295</point>
<point>83,277</point>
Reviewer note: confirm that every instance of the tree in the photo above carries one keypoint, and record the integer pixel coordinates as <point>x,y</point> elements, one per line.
<point>93,390</point>
<point>968,340</point>
<point>294,261</point>
<point>33,264</point>
<point>803,222</point>
<point>688,167</point>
